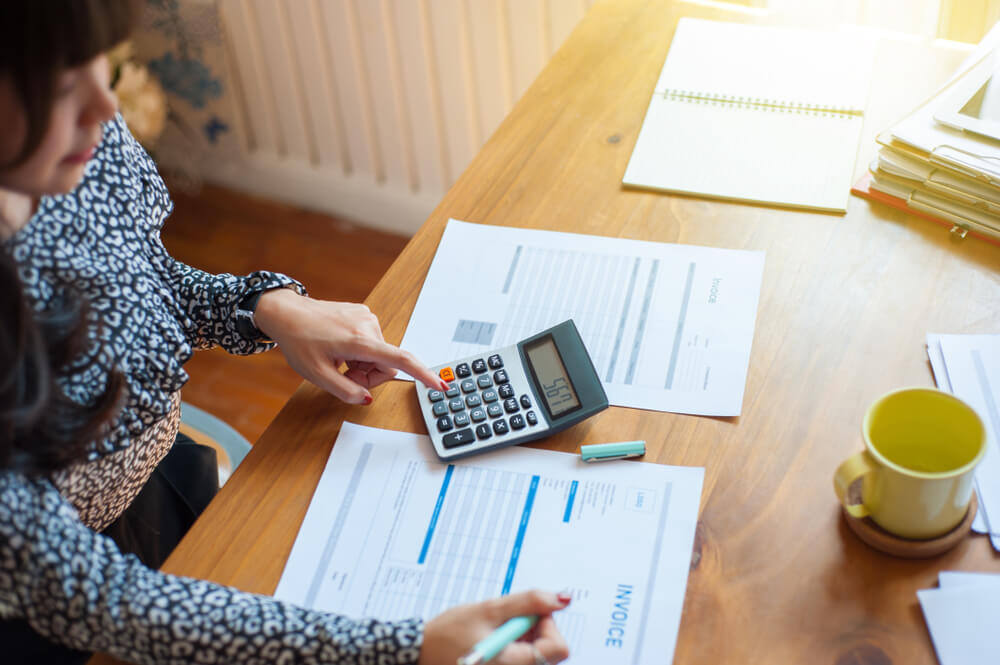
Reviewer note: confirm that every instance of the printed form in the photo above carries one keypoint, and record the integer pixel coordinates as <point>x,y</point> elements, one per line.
<point>393,533</point>
<point>969,367</point>
<point>669,327</point>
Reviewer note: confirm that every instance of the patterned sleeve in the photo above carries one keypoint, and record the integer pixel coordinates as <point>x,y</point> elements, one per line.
<point>205,304</point>
<point>75,587</point>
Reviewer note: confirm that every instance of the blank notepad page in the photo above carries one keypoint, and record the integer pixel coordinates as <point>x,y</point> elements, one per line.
<point>770,115</point>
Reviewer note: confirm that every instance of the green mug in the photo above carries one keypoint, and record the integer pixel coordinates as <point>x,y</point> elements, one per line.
<point>921,449</point>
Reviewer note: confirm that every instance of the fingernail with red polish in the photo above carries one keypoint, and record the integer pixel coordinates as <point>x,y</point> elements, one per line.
<point>367,400</point>
<point>564,598</point>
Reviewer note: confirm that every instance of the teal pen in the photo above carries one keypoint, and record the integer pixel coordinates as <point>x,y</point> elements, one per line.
<point>498,639</point>
<point>602,452</point>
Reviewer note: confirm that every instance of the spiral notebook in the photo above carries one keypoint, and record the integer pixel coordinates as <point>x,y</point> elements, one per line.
<point>753,113</point>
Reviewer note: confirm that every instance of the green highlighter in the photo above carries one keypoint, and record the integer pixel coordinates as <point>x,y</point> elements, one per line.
<point>602,452</point>
<point>495,642</point>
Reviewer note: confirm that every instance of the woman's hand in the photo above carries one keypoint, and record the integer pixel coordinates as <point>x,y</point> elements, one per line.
<point>317,337</point>
<point>452,634</point>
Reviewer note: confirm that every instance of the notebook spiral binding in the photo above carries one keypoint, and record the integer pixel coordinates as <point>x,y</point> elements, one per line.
<point>760,104</point>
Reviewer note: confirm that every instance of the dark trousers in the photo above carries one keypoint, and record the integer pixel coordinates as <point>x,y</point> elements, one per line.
<point>168,504</point>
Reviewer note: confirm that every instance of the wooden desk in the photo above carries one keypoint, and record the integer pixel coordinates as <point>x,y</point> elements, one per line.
<point>776,576</point>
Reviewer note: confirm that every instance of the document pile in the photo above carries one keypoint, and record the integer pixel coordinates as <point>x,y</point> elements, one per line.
<point>961,616</point>
<point>942,162</point>
<point>968,366</point>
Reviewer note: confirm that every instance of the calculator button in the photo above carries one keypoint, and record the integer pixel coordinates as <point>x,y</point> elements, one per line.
<point>516,421</point>
<point>444,424</point>
<point>457,404</point>
<point>495,361</point>
<point>525,402</point>
<point>461,419</point>
<point>460,438</point>
<point>477,415</point>
<point>435,395</point>
<point>531,418</point>
<point>511,406</point>
<point>452,392</point>
<point>440,409</point>
<point>500,376</point>
<point>447,374</point>
<point>479,366</point>
<point>484,381</point>
<point>468,386</point>
<point>473,400</point>
<point>500,427</point>
<point>489,396</point>
<point>483,432</point>
<point>462,371</point>
<point>506,391</point>
<point>494,410</point>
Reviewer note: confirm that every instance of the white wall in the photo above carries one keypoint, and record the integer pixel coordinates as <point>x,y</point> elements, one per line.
<point>371,109</point>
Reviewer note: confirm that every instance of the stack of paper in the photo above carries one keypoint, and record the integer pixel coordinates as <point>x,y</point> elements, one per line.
<point>943,160</point>
<point>961,616</point>
<point>969,367</point>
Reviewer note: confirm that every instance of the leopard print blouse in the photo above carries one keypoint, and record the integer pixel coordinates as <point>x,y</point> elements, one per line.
<point>72,584</point>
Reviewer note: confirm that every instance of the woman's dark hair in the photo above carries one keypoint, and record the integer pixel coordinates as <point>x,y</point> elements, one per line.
<point>41,429</point>
<point>41,38</point>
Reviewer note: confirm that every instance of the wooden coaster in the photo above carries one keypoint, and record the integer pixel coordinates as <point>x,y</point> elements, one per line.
<point>875,536</point>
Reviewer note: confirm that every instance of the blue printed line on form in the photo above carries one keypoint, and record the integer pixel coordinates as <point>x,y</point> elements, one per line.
<point>437,512</point>
<point>525,515</point>
<point>569,501</point>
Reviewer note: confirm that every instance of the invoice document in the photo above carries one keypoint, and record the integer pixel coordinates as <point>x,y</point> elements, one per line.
<point>969,367</point>
<point>668,327</point>
<point>393,533</point>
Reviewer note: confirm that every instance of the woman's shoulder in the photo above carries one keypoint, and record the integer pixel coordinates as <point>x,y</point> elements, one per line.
<point>120,200</point>
<point>123,169</point>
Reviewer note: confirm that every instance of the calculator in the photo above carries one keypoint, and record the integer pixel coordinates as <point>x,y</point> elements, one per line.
<point>516,394</point>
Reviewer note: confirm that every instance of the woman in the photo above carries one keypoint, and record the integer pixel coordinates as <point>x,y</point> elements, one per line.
<point>81,206</point>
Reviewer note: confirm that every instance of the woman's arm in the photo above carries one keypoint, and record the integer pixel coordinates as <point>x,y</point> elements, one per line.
<point>206,303</point>
<point>203,303</point>
<point>76,588</point>
<point>317,337</point>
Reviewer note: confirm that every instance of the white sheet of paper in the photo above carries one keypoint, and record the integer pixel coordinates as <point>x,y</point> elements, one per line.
<point>962,622</point>
<point>393,533</point>
<point>830,68</point>
<point>734,117</point>
<point>973,366</point>
<point>669,327</point>
<point>958,578</point>
<point>936,357</point>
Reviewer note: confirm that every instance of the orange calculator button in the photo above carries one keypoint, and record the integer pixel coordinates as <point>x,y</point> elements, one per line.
<point>446,374</point>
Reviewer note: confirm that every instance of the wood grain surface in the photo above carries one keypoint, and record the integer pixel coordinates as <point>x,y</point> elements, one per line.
<point>776,576</point>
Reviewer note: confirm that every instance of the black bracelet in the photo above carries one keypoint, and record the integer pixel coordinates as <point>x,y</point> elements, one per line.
<point>246,326</point>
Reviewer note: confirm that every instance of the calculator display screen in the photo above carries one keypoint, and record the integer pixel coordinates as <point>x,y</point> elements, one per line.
<point>549,371</point>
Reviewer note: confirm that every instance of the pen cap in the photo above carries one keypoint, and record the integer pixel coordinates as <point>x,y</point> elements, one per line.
<point>601,451</point>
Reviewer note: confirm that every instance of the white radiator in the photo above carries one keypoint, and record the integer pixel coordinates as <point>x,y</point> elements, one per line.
<point>372,108</point>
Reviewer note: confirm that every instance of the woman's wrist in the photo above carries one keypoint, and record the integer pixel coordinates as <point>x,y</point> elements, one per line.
<point>274,307</point>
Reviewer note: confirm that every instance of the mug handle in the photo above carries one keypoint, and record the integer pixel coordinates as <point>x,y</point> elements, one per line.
<point>850,470</point>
